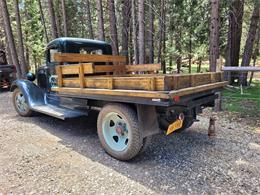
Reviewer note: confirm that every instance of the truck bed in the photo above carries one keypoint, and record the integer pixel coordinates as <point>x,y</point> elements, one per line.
<point>130,80</point>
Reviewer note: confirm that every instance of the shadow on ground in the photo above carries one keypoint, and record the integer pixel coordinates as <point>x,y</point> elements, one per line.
<point>168,162</point>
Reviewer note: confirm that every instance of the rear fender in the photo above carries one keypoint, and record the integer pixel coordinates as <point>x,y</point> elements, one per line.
<point>33,94</point>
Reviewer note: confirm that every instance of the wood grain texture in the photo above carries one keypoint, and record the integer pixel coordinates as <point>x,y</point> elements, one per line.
<point>141,93</point>
<point>71,57</point>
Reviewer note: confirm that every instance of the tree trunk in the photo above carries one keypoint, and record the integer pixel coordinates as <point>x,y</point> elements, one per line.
<point>100,20</point>
<point>256,53</point>
<point>199,65</point>
<point>134,40</point>
<point>250,43</point>
<point>178,37</point>
<point>43,21</point>
<point>141,39</point>
<point>161,32</point>
<point>126,11</point>
<point>58,17</point>
<point>236,13</point>
<point>150,32</point>
<point>214,35</point>
<point>64,17</point>
<point>23,64</point>
<point>9,34</point>
<point>89,20</point>
<point>131,61</point>
<point>113,27</point>
<point>53,20</point>
<point>164,38</point>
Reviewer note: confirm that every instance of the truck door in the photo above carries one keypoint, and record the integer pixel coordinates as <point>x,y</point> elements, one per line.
<point>46,75</point>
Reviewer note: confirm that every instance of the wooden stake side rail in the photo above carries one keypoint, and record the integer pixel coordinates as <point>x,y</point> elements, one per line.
<point>76,57</point>
<point>81,75</point>
<point>140,93</point>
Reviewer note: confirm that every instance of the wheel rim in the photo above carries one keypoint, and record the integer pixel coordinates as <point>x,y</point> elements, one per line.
<point>20,102</point>
<point>116,131</point>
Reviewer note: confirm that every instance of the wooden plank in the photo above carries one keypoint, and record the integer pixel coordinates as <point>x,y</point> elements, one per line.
<point>138,93</point>
<point>59,74</point>
<point>75,57</point>
<point>97,83</point>
<point>88,68</point>
<point>127,93</point>
<point>197,89</point>
<point>71,82</point>
<point>81,76</point>
<point>110,83</point>
<point>193,80</point>
<point>70,69</point>
<point>151,84</point>
<point>103,68</point>
<point>143,67</point>
<point>128,68</point>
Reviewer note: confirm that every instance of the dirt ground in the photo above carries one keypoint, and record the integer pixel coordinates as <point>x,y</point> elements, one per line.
<point>43,155</point>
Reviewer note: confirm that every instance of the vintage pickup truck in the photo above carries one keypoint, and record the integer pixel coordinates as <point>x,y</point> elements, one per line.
<point>135,102</point>
<point>7,72</point>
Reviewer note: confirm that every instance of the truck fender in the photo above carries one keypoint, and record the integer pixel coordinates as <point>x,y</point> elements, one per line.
<point>33,94</point>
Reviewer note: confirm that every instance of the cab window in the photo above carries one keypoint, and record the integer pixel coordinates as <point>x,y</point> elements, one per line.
<point>89,50</point>
<point>52,52</point>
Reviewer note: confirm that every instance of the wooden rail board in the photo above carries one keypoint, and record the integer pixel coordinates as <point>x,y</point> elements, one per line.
<point>81,76</point>
<point>112,92</point>
<point>138,82</point>
<point>76,57</point>
<point>140,93</point>
<point>197,89</point>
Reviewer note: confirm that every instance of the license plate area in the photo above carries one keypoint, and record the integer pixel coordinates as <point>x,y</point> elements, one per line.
<point>174,126</point>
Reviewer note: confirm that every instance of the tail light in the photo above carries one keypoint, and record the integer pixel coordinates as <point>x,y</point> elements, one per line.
<point>176,98</point>
<point>15,70</point>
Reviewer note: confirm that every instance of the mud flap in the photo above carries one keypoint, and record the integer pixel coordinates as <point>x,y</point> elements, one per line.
<point>148,120</point>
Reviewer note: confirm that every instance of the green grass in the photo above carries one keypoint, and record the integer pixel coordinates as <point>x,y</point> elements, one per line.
<point>247,104</point>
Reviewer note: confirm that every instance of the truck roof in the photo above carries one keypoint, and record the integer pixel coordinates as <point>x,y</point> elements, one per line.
<point>66,44</point>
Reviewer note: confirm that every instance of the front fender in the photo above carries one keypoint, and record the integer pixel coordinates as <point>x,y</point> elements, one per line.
<point>33,94</point>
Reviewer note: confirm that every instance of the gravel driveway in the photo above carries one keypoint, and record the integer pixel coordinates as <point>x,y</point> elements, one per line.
<point>43,155</point>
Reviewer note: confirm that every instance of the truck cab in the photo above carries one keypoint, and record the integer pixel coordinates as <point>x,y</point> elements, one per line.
<point>7,71</point>
<point>46,76</point>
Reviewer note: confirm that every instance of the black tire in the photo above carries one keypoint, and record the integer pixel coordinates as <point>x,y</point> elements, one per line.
<point>27,112</point>
<point>146,143</point>
<point>188,122</point>
<point>135,141</point>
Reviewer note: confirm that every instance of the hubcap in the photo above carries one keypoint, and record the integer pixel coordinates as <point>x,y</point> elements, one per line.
<point>115,130</point>
<point>20,102</point>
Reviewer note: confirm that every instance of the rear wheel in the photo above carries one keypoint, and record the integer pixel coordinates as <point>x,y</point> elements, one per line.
<point>20,104</point>
<point>146,143</point>
<point>118,131</point>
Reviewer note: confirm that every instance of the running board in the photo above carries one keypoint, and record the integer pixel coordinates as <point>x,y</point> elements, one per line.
<point>58,112</point>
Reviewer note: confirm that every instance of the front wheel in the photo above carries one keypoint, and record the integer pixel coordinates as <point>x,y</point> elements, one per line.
<point>118,131</point>
<point>20,104</point>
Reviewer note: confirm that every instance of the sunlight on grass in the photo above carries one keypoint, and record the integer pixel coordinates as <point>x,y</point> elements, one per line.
<point>245,104</point>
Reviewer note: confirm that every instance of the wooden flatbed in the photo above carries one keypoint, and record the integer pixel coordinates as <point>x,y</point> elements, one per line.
<point>127,80</point>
